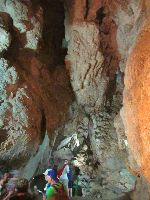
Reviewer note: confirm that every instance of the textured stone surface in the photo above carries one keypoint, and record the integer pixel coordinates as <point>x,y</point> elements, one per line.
<point>137,101</point>
<point>35,93</point>
<point>85,62</point>
<point>102,163</point>
<point>5,37</point>
<point>121,21</point>
<point>33,98</point>
<point>120,129</point>
<point>128,21</point>
<point>13,116</point>
<point>93,57</point>
<point>26,19</point>
<point>4,40</point>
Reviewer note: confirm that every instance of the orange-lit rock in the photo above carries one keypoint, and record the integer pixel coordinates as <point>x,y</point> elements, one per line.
<point>137,101</point>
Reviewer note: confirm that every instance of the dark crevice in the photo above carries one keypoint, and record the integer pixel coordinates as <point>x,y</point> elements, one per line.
<point>43,126</point>
<point>3,135</point>
<point>100,14</point>
<point>51,50</point>
<point>110,53</point>
<point>53,32</point>
<point>110,92</point>
<point>87,9</point>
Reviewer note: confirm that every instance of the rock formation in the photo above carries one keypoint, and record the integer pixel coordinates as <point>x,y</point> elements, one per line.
<point>136,98</point>
<point>35,91</point>
<point>74,83</point>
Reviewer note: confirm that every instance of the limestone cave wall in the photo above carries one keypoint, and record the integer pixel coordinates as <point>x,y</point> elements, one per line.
<point>35,91</point>
<point>74,83</point>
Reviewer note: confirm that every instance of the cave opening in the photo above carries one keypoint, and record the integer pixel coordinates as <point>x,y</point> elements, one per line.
<point>43,126</point>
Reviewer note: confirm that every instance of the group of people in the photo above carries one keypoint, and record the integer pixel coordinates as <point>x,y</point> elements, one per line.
<point>14,188</point>
<point>61,184</point>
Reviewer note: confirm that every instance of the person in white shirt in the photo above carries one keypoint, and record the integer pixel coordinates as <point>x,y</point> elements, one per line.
<point>64,177</point>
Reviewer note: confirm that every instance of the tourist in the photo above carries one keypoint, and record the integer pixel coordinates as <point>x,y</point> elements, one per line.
<point>64,175</point>
<point>56,190</point>
<point>55,169</point>
<point>77,189</point>
<point>3,182</point>
<point>21,191</point>
<point>70,178</point>
<point>47,184</point>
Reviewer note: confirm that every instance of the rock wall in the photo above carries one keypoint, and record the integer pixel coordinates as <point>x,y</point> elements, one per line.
<point>136,98</point>
<point>93,57</point>
<point>34,90</point>
<point>100,36</point>
<point>74,83</point>
<point>98,45</point>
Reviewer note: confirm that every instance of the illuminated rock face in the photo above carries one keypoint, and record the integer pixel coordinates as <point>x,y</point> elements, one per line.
<point>13,116</point>
<point>93,56</point>
<point>137,100</point>
<point>25,19</point>
<point>5,37</point>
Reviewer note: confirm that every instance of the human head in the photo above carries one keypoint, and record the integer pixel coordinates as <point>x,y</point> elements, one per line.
<point>6,176</point>
<point>22,185</point>
<point>51,176</point>
<point>74,162</point>
<point>66,161</point>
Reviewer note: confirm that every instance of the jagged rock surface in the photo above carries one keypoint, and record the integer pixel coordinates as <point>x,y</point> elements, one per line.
<point>97,37</point>
<point>33,96</point>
